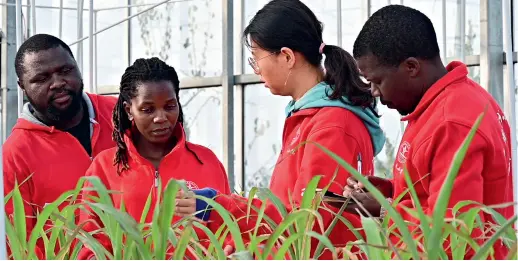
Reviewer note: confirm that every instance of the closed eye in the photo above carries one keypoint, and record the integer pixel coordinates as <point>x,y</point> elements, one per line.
<point>66,70</point>
<point>40,79</point>
<point>170,107</point>
<point>147,110</point>
<point>372,81</point>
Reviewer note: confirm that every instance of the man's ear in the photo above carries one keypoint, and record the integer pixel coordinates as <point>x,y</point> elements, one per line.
<point>20,84</point>
<point>412,66</point>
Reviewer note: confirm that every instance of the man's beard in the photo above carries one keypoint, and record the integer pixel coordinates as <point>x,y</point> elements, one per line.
<point>55,115</point>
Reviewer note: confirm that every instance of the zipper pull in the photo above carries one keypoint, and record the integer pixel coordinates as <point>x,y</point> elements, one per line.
<point>359,163</point>
<point>156,178</point>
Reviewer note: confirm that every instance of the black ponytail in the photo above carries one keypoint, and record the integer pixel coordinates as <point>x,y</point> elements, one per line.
<point>342,72</point>
<point>291,24</point>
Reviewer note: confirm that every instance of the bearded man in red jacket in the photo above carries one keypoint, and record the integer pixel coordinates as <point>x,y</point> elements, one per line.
<point>60,130</point>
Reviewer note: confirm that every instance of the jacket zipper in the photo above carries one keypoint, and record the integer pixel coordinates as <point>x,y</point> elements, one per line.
<point>155,184</point>
<point>359,163</point>
<point>156,179</point>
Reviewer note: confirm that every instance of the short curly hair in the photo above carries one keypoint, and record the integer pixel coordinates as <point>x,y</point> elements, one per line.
<point>395,33</point>
<point>37,43</point>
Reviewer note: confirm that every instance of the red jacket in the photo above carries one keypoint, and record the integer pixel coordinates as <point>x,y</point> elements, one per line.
<point>337,129</point>
<point>435,131</point>
<point>195,164</point>
<point>51,160</point>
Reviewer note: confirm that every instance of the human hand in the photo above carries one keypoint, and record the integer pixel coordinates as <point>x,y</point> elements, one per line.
<point>361,200</point>
<point>383,185</point>
<point>185,204</point>
<point>363,203</point>
<point>228,250</point>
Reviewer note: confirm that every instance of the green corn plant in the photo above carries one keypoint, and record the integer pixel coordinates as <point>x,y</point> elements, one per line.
<point>432,230</point>
<point>48,230</point>
<point>136,240</point>
<point>159,235</point>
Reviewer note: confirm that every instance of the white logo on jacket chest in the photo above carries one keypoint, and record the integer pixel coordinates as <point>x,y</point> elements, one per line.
<point>191,185</point>
<point>502,119</point>
<point>403,152</point>
<point>402,157</point>
<point>296,138</point>
<point>503,122</point>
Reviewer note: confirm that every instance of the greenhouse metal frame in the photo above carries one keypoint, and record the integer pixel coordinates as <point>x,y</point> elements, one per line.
<point>496,53</point>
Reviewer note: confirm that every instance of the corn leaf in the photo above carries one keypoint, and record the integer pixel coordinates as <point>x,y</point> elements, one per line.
<point>441,205</point>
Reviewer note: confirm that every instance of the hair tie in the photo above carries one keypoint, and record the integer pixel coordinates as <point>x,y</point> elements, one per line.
<point>321,49</point>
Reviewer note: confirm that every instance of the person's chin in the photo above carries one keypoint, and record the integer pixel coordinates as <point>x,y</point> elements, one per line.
<point>66,112</point>
<point>159,138</point>
<point>275,91</point>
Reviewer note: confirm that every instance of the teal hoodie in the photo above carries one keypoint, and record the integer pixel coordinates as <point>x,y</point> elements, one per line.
<point>318,97</point>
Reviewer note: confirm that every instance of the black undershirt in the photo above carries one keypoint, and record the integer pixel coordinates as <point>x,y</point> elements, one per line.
<point>82,131</point>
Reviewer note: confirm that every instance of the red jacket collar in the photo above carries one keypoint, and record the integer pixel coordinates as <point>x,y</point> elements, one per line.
<point>178,132</point>
<point>305,112</point>
<point>456,71</point>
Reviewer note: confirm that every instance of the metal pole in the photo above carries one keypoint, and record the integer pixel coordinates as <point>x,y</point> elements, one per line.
<point>134,5</point>
<point>462,30</point>
<point>19,24</point>
<point>79,58</point>
<point>3,249</point>
<point>8,78</point>
<point>339,21</point>
<point>444,35</point>
<point>28,17</point>
<point>42,6</point>
<point>122,21</point>
<point>19,41</point>
<point>228,89</point>
<point>509,92</point>
<point>129,35</point>
<point>95,54</point>
<point>491,49</point>
<point>60,18</point>
<point>92,87</point>
<point>100,9</point>
<point>239,109</point>
<point>33,17</point>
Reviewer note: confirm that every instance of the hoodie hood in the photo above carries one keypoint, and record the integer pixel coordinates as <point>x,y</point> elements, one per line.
<point>317,97</point>
<point>35,124</point>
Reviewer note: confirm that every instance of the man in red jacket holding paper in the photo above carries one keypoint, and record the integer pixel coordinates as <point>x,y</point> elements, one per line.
<point>398,53</point>
<point>60,130</point>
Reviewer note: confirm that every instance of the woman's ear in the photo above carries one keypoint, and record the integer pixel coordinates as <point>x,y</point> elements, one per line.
<point>127,108</point>
<point>287,55</point>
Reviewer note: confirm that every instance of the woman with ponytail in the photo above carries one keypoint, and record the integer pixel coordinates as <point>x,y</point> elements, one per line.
<point>151,147</point>
<point>331,106</point>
